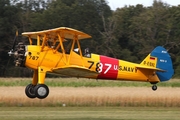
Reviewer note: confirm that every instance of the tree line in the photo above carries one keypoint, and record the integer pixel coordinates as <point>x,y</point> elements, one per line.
<point>128,33</point>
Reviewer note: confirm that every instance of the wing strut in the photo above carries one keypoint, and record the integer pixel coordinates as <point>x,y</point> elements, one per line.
<point>79,47</point>
<point>38,40</point>
<point>30,40</point>
<point>61,44</point>
<point>80,51</point>
<point>44,41</point>
<point>72,48</point>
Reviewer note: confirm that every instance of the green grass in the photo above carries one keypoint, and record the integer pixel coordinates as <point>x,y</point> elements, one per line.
<point>89,113</point>
<point>83,82</point>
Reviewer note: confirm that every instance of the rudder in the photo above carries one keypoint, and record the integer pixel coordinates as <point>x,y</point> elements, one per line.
<point>163,62</point>
<point>160,58</point>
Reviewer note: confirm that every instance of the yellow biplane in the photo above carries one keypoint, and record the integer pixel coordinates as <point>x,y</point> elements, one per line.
<point>58,51</point>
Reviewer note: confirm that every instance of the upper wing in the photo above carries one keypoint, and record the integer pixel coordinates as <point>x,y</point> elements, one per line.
<point>75,71</point>
<point>67,33</point>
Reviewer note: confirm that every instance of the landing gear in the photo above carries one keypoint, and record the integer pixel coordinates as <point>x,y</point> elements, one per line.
<point>30,91</point>
<point>38,88</point>
<point>40,91</point>
<point>154,87</point>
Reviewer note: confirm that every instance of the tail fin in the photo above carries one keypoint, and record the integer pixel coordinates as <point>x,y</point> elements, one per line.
<point>160,59</point>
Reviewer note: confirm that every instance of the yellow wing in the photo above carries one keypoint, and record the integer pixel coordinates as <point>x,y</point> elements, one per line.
<point>76,71</point>
<point>67,33</point>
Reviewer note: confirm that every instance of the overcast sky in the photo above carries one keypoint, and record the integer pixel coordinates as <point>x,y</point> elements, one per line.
<point>121,3</point>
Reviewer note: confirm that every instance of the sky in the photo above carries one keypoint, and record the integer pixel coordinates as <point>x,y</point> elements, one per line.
<point>121,3</point>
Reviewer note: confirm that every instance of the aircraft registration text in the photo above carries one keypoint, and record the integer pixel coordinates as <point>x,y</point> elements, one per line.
<point>151,64</point>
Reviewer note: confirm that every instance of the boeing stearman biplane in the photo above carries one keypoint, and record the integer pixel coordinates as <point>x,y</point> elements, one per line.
<point>58,51</point>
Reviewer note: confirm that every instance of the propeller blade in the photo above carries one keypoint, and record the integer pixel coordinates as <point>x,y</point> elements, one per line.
<point>14,42</point>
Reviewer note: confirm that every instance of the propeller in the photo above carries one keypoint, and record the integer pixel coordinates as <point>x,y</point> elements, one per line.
<point>14,42</point>
<point>11,52</point>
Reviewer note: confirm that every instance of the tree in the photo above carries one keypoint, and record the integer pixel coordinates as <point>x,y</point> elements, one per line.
<point>9,23</point>
<point>83,15</point>
<point>33,15</point>
<point>125,31</point>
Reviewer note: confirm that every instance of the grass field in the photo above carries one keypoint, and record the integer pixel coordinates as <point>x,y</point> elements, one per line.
<point>89,113</point>
<point>94,96</point>
<point>84,92</point>
<point>84,99</point>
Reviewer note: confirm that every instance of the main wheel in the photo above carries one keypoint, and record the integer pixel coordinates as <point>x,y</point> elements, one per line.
<point>29,91</point>
<point>41,91</point>
<point>154,87</point>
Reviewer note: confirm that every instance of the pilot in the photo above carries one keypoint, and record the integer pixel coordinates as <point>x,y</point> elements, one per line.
<point>86,52</point>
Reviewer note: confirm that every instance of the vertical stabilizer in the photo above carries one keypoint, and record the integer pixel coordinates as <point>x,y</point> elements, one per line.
<point>160,59</point>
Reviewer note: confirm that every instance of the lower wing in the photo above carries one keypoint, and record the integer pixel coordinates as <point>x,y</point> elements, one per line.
<point>75,71</point>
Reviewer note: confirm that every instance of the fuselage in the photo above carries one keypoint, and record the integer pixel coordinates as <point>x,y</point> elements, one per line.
<point>106,67</point>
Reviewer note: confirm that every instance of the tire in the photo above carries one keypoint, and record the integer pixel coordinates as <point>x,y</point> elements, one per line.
<point>154,87</point>
<point>29,91</point>
<point>41,91</point>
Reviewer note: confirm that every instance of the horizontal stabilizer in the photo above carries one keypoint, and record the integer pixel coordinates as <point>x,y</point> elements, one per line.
<point>74,71</point>
<point>151,68</point>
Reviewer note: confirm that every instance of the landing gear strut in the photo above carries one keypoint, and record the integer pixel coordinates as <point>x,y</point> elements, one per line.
<point>40,91</point>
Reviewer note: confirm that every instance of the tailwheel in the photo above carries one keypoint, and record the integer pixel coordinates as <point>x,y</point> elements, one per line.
<point>154,87</point>
<point>41,91</point>
<point>30,91</point>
